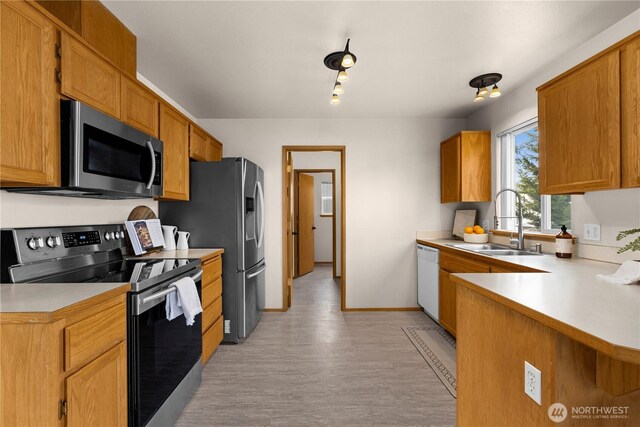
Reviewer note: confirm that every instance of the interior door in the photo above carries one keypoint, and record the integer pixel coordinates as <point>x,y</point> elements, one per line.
<point>306,227</point>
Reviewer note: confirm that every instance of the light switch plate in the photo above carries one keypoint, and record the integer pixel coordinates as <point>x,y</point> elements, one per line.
<point>592,232</point>
<point>533,382</point>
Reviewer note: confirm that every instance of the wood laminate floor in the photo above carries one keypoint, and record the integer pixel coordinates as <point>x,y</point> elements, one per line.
<point>317,365</point>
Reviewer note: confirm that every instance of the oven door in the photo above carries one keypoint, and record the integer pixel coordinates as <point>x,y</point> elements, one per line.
<point>161,352</point>
<point>106,154</point>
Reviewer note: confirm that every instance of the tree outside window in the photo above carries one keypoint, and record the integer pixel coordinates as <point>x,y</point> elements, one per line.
<point>519,160</point>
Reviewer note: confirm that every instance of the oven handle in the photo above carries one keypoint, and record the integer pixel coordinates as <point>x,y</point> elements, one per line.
<point>169,290</point>
<point>153,165</point>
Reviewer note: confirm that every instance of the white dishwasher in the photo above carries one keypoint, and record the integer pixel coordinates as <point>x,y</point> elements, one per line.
<point>428,289</point>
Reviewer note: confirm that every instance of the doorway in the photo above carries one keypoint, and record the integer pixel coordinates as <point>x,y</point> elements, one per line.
<point>314,201</point>
<point>289,214</point>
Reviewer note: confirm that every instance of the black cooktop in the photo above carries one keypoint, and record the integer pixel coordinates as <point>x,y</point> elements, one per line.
<point>134,271</point>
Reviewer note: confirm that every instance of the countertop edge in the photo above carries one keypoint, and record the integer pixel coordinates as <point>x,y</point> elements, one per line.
<point>619,352</point>
<point>62,312</point>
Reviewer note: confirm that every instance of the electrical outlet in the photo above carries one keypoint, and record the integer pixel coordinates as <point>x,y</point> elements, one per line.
<point>592,232</point>
<point>533,382</point>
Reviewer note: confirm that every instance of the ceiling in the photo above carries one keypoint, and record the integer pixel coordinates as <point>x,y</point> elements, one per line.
<point>264,59</point>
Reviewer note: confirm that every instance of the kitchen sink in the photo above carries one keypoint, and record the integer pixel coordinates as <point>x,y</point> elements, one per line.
<point>475,247</point>
<point>490,249</point>
<point>505,252</point>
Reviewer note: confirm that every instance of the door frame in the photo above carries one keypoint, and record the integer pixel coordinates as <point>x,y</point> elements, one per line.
<point>286,151</point>
<point>296,173</point>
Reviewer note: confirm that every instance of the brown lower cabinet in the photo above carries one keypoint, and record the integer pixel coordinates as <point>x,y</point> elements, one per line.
<point>451,262</point>
<point>212,319</point>
<point>68,367</point>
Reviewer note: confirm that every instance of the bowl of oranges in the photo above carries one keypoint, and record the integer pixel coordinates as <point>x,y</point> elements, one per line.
<point>475,234</point>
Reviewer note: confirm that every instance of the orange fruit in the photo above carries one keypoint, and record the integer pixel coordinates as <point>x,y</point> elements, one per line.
<point>468,230</point>
<point>478,230</point>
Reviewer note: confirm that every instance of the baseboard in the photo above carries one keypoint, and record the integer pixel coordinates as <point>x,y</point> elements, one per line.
<point>274,310</point>
<point>384,309</point>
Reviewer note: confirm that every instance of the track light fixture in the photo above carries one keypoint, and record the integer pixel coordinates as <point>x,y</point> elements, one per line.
<point>481,82</point>
<point>340,62</point>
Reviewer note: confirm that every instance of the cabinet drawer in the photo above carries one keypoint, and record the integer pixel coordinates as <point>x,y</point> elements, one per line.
<point>211,292</point>
<point>90,337</point>
<point>453,264</point>
<point>211,339</point>
<point>211,271</point>
<point>211,313</point>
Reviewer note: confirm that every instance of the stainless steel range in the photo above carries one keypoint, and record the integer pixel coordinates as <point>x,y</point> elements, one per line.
<point>164,366</point>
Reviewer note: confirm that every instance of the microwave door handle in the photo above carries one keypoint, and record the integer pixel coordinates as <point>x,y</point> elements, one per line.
<point>153,165</point>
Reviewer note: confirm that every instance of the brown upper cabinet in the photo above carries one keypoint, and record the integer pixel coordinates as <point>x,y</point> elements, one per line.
<point>29,111</point>
<point>465,167</point>
<point>140,107</point>
<point>630,65</point>
<point>99,27</point>
<point>202,146</point>
<point>89,78</point>
<point>588,124</point>
<point>174,133</point>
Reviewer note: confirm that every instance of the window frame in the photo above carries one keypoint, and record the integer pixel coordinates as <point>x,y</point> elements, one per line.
<point>506,178</point>
<point>323,197</point>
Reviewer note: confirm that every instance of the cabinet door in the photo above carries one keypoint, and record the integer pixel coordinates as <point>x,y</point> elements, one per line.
<point>214,150</point>
<point>174,132</point>
<point>630,66</point>
<point>140,107</point>
<point>475,167</point>
<point>89,78</point>
<point>447,303</point>
<point>579,129</point>
<point>97,393</point>
<point>29,111</point>
<point>450,185</point>
<point>197,144</point>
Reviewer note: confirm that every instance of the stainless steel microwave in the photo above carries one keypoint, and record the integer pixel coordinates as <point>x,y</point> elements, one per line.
<point>104,158</point>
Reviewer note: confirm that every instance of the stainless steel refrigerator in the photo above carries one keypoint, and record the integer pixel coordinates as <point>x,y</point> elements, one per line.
<point>226,210</point>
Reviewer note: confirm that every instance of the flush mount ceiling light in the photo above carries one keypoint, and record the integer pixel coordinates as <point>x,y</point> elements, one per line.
<point>481,82</point>
<point>340,62</point>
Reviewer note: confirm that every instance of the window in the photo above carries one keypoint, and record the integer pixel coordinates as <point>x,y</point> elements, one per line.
<point>518,169</point>
<point>326,193</point>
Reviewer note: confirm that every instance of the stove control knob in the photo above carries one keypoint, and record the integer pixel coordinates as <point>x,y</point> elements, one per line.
<point>113,235</point>
<point>107,236</point>
<point>40,242</point>
<point>117,235</point>
<point>53,241</point>
<point>32,243</point>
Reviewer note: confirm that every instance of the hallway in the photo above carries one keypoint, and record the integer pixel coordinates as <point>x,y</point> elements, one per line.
<point>317,365</point>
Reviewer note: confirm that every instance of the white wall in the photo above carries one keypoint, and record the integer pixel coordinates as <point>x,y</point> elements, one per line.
<point>325,160</point>
<point>323,237</point>
<point>392,190</point>
<point>615,210</point>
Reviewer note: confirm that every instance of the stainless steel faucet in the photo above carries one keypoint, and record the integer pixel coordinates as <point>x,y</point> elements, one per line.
<point>520,241</point>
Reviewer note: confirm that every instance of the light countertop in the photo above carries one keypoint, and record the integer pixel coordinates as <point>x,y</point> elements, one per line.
<point>49,298</point>
<point>568,298</point>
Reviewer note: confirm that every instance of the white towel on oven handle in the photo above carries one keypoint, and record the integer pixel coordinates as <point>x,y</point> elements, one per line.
<point>188,299</point>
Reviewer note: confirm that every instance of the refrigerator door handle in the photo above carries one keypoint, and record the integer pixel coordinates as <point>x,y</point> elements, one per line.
<point>252,275</point>
<point>261,198</point>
